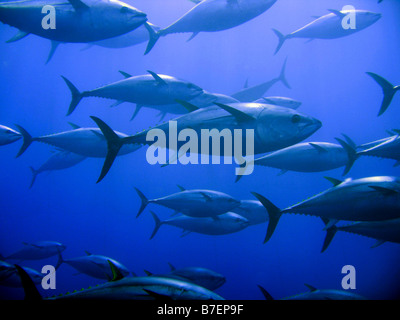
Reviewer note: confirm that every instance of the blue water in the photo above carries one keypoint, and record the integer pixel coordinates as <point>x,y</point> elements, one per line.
<point>328,76</point>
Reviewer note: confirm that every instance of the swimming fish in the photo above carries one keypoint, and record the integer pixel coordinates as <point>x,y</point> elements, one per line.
<point>198,203</point>
<point>226,223</point>
<point>274,127</point>
<point>212,16</point>
<point>93,265</point>
<point>76,21</point>
<point>382,231</point>
<point>330,26</point>
<point>36,251</point>
<point>144,90</point>
<point>9,275</point>
<point>58,161</point>
<point>366,199</point>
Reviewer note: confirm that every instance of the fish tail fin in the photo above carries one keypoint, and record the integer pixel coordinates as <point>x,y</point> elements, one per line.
<point>27,140</point>
<point>76,96</point>
<point>30,290</point>
<point>350,148</point>
<point>153,38</point>
<point>274,214</point>
<point>330,233</point>
<point>144,202</point>
<point>282,38</point>
<point>157,226</point>
<point>388,91</point>
<point>114,144</point>
<point>60,261</point>
<point>282,76</point>
<point>34,175</point>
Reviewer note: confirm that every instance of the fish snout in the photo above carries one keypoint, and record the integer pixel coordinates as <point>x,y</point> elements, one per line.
<point>310,126</point>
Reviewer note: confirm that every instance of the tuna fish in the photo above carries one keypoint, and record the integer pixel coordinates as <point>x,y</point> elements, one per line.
<point>96,266</point>
<point>197,203</point>
<point>9,275</point>
<point>382,231</point>
<point>75,21</point>
<point>330,26</point>
<point>367,199</point>
<point>203,277</point>
<point>318,294</point>
<point>388,90</point>
<point>58,161</point>
<point>212,16</point>
<point>87,142</point>
<point>37,251</point>
<point>389,148</point>
<point>311,157</point>
<point>253,211</point>
<point>8,135</point>
<point>128,288</point>
<point>226,223</point>
<point>274,127</point>
<point>249,94</point>
<point>144,90</point>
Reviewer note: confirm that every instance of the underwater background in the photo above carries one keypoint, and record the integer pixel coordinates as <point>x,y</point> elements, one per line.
<point>327,76</point>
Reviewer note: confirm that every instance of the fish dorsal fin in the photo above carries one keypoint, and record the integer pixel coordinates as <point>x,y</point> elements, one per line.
<point>88,253</point>
<point>74,126</point>
<point>125,74</point>
<point>240,116</point>
<point>148,273</point>
<point>334,181</point>
<point>337,13</point>
<point>171,267</point>
<point>384,191</point>
<point>312,289</point>
<point>396,131</point>
<point>189,107</point>
<point>157,78</point>
<point>181,188</point>
<point>318,147</point>
<point>206,196</point>
<point>78,5</point>
<point>117,275</point>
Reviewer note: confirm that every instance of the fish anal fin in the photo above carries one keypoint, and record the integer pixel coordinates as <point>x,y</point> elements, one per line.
<point>20,35</point>
<point>378,243</point>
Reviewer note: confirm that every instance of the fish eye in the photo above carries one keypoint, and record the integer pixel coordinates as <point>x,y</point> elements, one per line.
<point>124,10</point>
<point>296,118</point>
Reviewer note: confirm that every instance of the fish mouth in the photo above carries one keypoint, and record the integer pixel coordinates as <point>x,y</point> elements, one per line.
<point>310,127</point>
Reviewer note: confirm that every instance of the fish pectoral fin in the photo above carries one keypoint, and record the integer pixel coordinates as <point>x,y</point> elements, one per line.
<point>157,296</point>
<point>318,147</point>
<point>312,288</point>
<point>20,35</point>
<point>78,5</point>
<point>337,13</point>
<point>117,275</point>
<point>156,77</point>
<point>206,196</point>
<point>194,34</point>
<point>378,243</point>
<point>240,116</point>
<point>187,105</point>
<point>384,191</point>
